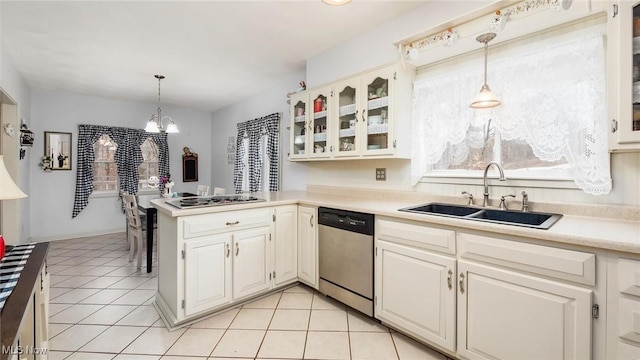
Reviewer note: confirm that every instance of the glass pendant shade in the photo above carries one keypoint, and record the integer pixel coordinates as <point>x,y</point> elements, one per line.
<point>485,99</point>
<point>152,126</point>
<point>172,128</point>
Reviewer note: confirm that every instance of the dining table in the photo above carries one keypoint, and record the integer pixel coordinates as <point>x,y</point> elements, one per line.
<point>144,205</point>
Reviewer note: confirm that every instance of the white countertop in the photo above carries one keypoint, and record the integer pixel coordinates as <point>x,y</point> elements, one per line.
<point>602,233</point>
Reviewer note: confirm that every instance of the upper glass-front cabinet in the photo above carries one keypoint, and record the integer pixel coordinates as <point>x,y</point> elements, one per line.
<point>378,98</point>
<point>625,78</point>
<point>635,120</point>
<point>320,100</point>
<point>299,125</point>
<point>348,117</point>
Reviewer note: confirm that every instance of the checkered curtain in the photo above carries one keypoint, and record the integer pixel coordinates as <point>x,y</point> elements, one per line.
<point>128,157</point>
<point>264,131</point>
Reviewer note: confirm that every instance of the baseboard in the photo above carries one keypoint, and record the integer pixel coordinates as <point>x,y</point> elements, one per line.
<point>74,236</point>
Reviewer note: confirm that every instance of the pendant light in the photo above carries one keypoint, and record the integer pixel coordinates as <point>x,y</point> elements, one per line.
<point>485,98</point>
<point>154,125</point>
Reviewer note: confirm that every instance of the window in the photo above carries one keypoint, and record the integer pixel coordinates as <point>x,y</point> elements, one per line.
<point>551,124</point>
<point>105,171</point>
<point>149,166</point>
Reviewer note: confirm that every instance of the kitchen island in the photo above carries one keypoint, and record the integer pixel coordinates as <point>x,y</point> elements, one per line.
<point>212,258</point>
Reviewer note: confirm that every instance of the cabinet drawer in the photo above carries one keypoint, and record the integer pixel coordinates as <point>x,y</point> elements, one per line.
<point>629,276</point>
<point>416,235</point>
<point>563,264</point>
<point>207,224</point>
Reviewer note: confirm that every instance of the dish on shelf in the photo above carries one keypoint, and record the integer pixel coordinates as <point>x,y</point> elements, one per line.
<point>375,119</point>
<point>378,129</point>
<point>347,109</point>
<point>299,139</point>
<point>378,103</point>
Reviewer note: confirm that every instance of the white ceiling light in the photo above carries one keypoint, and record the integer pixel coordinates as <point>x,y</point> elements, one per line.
<point>485,98</point>
<point>154,125</point>
<point>336,2</point>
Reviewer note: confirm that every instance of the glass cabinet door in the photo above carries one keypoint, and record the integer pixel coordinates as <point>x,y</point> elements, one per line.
<point>299,125</point>
<point>347,118</point>
<point>319,103</point>
<point>635,121</point>
<point>377,111</point>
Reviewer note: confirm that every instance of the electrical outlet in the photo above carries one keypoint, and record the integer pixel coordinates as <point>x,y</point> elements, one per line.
<point>381,174</point>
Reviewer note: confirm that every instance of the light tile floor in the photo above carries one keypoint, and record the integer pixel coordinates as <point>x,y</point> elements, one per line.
<point>101,308</point>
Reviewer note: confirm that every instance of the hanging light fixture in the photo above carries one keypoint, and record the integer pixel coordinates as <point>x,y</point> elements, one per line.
<point>485,98</point>
<point>154,125</point>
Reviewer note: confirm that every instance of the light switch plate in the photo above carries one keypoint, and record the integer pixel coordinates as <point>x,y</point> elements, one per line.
<point>381,174</point>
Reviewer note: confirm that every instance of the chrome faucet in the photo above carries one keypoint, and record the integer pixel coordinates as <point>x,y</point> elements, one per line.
<point>485,202</point>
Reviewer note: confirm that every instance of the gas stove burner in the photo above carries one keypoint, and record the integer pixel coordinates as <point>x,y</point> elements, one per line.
<point>218,200</point>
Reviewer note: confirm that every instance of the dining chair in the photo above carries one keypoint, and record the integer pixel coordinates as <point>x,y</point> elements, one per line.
<point>219,191</point>
<point>135,228</point>
<point>203,190</point>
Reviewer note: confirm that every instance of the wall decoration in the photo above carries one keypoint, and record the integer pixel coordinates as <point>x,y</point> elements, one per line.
<point>8,128</point>
<point>26,136</point>
<point>231,150</point>
<point>189,165</point>
<point>57,148</point>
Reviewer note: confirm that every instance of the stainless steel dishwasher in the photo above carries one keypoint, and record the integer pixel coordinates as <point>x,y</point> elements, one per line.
<point>345,242</point>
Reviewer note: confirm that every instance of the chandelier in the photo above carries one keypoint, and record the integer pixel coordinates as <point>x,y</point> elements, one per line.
<point>154,125</point>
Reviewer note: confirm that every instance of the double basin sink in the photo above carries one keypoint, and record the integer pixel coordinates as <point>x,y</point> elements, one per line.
<point>506,217</point>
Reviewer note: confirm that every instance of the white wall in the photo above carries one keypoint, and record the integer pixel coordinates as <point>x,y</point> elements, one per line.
<point>19,91</point>
<point>51,194</point>
<point>224,125</point>
<point>375,48</point>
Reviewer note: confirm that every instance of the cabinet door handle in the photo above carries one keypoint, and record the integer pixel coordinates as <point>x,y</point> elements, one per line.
<point>237,249</point>
<point>461,283</point>
<point>228,250</point>
<point>364,113</point>
<point>233,223</point>
<point>449,278</point>
<point>311,221</point>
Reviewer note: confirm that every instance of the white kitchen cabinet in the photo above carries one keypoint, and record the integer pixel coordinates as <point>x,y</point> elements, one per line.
<point>209,261</point>
<point>308,245</point>
<point>624,75</point>
<point>367,115</point>
<point>536,300</point>
<point>300,114</point>
<point>414,280</point>
<point>285,245</point>
<point>310,124</point>
<point>251,265</point>
<point>414,291</point>
<point>207,273</point>
<point>504,315</point>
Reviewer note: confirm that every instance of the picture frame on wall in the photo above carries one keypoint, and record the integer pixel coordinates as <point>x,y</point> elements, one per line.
<point>57,146</point>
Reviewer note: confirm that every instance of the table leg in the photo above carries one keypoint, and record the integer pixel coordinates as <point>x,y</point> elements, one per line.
<point>151,214</point>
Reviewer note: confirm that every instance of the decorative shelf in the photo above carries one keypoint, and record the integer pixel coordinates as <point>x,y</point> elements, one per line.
<point>300,119</point>
<point>320,137</point>
<point>348,132</point>
<point>347,110</point>
<point>378,129</point>
<point>320,114</point>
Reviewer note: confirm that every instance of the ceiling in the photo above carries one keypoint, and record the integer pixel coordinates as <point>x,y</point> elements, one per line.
<point>213,53</point>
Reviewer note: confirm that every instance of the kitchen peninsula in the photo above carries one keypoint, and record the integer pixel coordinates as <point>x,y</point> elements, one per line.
<point>211,258</point>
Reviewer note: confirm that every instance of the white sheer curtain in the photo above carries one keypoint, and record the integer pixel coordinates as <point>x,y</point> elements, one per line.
<point>555,100</point>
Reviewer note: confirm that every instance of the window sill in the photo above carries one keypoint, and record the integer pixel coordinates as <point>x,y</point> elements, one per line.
<point>469,178</point>
<point>107,194</point>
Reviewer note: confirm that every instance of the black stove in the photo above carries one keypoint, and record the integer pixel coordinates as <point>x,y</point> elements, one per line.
<point>217,200</point>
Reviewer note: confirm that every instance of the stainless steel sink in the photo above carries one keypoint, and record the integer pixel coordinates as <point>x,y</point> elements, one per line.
<point>507,217</point>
